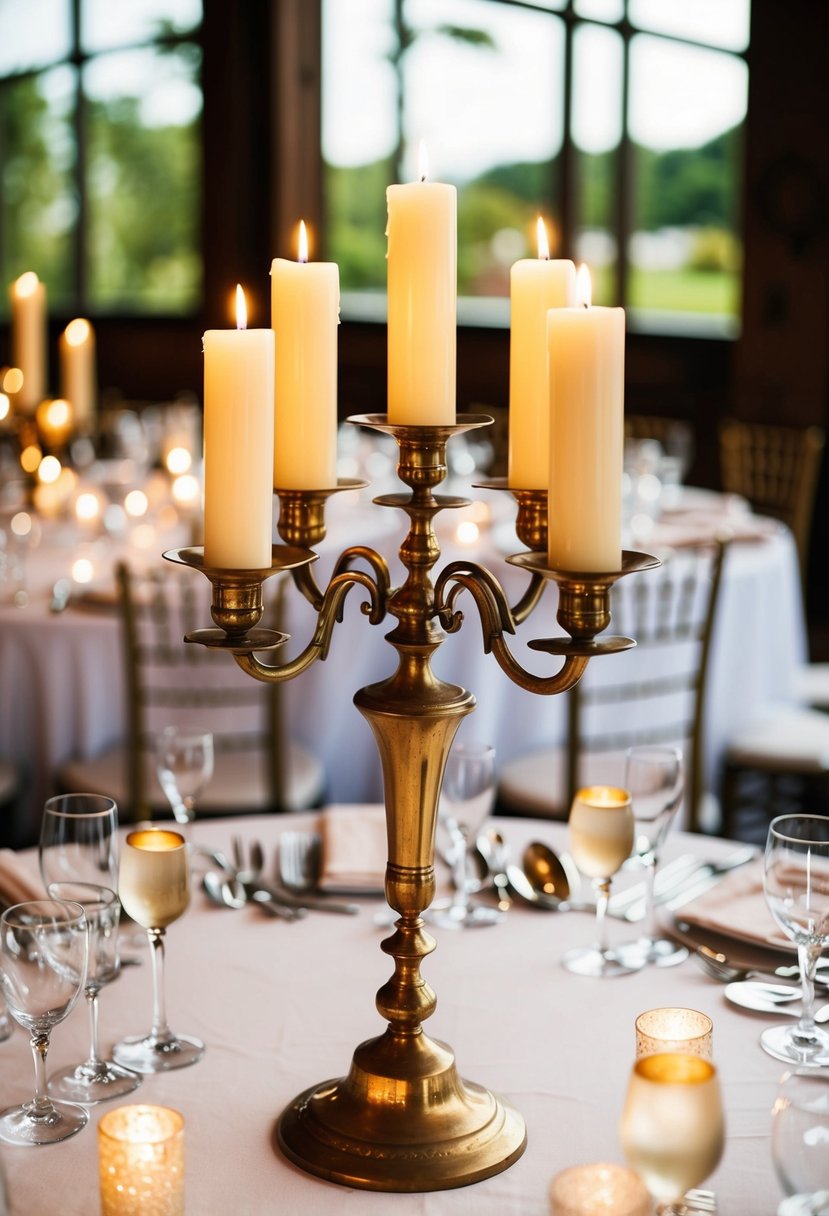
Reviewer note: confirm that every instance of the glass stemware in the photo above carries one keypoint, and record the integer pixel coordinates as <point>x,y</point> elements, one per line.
<point>799,1140</point>
<point>184,765</point>
<point>96,1079</point>
<point>601,837</point>
<point>79,840</point>
<point>154,887</point>
<point>672,1127</point>
<point>467,798</point>
<point>796,884</point>
<point>654,777</point>
<point>43,956</point>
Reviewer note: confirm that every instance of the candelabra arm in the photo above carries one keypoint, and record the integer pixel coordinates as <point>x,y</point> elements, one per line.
<point>529,600</point>
<point>382,578</point>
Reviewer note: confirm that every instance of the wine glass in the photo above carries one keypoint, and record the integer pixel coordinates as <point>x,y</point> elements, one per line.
<point>796,884</point>
<point>184,765</point>
<point>43,955</point>
<point>655,779</point>
<point>467,797</point>
<point>154,887</point>
<point>96,1079</point>
<point>672,1126</point>
<point>79,840</point>
<point>799,1139</point>
<point>601,837</point>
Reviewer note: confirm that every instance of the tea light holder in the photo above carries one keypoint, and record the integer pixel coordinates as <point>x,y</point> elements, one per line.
<point>600,1189</point>
<point>683,1031</point>
<point>141,1161</point>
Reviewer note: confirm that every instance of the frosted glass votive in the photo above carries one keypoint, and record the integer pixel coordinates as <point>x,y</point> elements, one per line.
<point>684,1031</point>
<point>600,1189</point>
<point>141,1161</point>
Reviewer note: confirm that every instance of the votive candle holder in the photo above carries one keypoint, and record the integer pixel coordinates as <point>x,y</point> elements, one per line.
<point>684,1031</point>
<point>141,1161</point>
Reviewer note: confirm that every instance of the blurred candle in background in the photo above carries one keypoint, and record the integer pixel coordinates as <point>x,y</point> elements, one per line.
<point>78,378</point>
<point>422,301</point>
<point>305,313</point>
<point>28,339</point>
<point>587,367</point>
<point>238,444</point>
<point>54,421</point>
<point>536,286</point>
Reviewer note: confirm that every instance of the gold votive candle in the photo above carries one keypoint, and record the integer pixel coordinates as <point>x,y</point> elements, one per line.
<point>684,1031</point>
<point>141,1161</point>
<point>600,1189</point>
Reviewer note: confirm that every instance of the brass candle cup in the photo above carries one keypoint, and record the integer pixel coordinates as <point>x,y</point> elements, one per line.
<point>599,1189</point>
<point>141,1161</point>
<point>682,1031</point>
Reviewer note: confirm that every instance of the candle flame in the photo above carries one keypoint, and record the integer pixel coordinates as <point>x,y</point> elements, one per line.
<point>26,285</point>
<point>303,242</point>
<point>584,286</point>
<point>241,309</point>
<point>543,243</point>
<point>77,331</point>
<point>422,161</point>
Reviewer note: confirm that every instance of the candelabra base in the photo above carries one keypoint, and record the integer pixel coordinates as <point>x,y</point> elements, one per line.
<point>402,1120</point>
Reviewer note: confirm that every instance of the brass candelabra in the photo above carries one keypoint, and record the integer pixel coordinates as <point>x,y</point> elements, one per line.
<point>403,1119</point>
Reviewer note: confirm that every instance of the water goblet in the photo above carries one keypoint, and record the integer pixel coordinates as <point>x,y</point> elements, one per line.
<point>799,1140</point>
<point>184,765</point>
<point>79,840</point>
<point>654,777</point>
<point>467,797</point>
<point>154,888</point>
<point>672,1127</point>
<point>96,1079</point>
<point>796,884</point>
<point>601,836</point>
<point>43,956</point>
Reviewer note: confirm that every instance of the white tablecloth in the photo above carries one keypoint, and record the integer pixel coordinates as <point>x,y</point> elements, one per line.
<point>62,690</point>
<point>282,1006</point>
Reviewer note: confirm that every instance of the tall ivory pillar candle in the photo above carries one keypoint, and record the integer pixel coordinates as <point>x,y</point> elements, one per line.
<point>77,371</point>
<point>305,313</point>
<point>422,303</point>
<point>536,286</point>
<point>238,446</point>
<point>28,326</point>
<point>587,365</point>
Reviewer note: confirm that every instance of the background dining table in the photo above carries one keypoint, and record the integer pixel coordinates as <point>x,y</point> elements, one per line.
<point>282,1005</point>
<point>62,687</point>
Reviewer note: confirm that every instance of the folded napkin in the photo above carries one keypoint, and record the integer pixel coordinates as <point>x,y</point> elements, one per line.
<point>736,907</point>
<point>16,883</point>
<point>354,849</point>
<point>693,528</point>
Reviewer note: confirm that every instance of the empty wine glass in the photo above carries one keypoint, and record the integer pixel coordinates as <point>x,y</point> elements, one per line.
<point>184,765</point>
<point>672,1126</point>
<point>601,837</point>
<point>654,777</point>
<point>96,1079</point>
<point>43,955</point>
<point>796,884</point>
<point>467,797</point>
<point>79,840</point>
<point>154,887</point>
<point>800,1140</point>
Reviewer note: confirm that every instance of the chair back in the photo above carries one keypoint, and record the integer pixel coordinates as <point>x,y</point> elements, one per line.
<point>169,682</point>
<point>776,468</point>
<point>654,693</point>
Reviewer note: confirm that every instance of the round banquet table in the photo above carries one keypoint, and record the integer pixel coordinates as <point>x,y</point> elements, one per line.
<point>282,1005</point>
<point>62,691</point>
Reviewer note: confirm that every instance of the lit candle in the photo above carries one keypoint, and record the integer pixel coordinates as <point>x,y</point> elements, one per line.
<point>238,444</point>
<point>141,1161</point>
<point>305,313</point>
<point>587,363</point>
<point>77,371</point>
<point>54,421</point>
<point>422,302</point>
<point>536,286</point>
<point>28,324</point>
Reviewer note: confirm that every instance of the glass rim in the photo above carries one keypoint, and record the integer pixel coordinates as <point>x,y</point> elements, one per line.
<point>105,896</point>
<point>790,815</point>
<point>589,795</point>
<point>674,1068</point>
<point>174,1119</point>
<point>51,807</point>
<point>705,1019</point>
<point>155,833</point>
<point>17,921</point>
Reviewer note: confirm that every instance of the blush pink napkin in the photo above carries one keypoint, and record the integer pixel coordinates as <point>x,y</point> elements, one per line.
<point>354,848</point>
<point>736,907</point>
<point>16,883</point>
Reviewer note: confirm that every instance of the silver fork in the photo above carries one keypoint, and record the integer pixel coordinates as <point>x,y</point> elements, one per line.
<point>700,1201</point>
<point>249,877</point>
<point>719,967</point>
<point>297,871</point>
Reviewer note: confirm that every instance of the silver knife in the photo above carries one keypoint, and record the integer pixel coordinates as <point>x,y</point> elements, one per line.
<point>700,879</point>
<point>280,896</point>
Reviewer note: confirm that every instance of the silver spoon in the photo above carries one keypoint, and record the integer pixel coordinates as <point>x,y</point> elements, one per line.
<point>493,848</point>
<point>224,890</point>
<point>769,998</point>
<point>545,871</point>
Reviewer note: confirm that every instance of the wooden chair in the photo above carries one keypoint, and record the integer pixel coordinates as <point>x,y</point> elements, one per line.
<point>776,468</point>
<point>654,693</point>
<point>256,767</point>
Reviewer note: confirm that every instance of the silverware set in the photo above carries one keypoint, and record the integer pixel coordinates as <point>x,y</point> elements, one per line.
<point>288,894</point>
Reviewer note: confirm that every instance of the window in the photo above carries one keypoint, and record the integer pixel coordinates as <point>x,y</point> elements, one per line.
<point>618,120</point>
<point>100,161</point>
